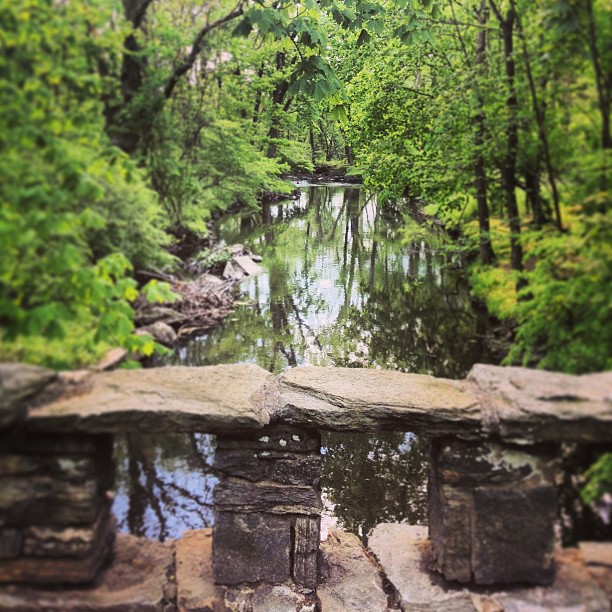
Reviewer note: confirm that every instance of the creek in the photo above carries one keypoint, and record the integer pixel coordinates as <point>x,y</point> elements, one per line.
<point>345,283</point>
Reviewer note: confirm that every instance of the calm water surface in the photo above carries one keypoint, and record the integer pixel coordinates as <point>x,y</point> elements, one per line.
<point>345,284</point>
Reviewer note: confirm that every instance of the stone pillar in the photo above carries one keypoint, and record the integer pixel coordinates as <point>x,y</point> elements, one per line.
<point>55,519</point>
<point>268,507</point>
<point>492,511</point>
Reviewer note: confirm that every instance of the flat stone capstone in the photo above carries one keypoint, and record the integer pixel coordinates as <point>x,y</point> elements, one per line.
<point>213,399</point>
<point>515,405</point>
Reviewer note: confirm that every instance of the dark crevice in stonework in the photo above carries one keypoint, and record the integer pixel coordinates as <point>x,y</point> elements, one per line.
<point>394,600</point>
<point>292,551</point>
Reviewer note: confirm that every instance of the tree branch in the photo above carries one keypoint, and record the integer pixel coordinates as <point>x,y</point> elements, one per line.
<point>496,10</point>
<point>135,11</point>
<point>196,48</point>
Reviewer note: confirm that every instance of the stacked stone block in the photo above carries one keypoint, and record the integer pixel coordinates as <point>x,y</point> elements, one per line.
<point>492,511</point>
<point>55,519</point>
<point>268,507</point>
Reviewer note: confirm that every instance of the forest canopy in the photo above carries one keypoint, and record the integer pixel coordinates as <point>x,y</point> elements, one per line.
<point>125,126</point>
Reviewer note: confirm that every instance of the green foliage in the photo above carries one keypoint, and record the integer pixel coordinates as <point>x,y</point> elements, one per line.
<point>160,293</point>
<point>598,479</point>
<point>70,202</point>
<point>565,312</point>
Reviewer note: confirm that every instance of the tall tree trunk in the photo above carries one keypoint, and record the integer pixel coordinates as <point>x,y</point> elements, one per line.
<point>509,166</point>
<point>533,193</point>
<point>258,95</point>
<point>487,254</point>
<point>278,96</point>
<point>539,115</point>
<point>603,79</point>
<point>313,148</point>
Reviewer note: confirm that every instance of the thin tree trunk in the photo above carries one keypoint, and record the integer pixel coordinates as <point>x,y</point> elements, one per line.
<point>487,255</point>
<point>534,196</point>
<point>539,115</point>
<point>603,80</point>
<point>509,166</point>
<point>313,148</point>
<point>278,95</point>
<point>258,95</point>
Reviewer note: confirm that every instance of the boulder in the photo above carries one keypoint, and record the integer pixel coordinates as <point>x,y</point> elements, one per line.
<point>152,312</point>
<point>403,552</point>
<point>111,360</point>
<point>18,383</point>
<point>398,548</point>
<point>161,332</point>
<point>136,581</point>
<point>349,580</point>
<point>598,559</point>
<point>194,574</point>
<point>247,264</point>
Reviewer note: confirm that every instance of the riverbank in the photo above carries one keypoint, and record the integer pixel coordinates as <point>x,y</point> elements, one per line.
<point>205,289</point>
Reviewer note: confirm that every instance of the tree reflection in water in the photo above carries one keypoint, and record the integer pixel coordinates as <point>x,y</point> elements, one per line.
<point>345,284</point>
<point>164,483</point>
<point>371,480</point>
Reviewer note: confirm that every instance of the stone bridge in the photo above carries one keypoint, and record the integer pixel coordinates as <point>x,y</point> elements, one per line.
<point>494,440</point>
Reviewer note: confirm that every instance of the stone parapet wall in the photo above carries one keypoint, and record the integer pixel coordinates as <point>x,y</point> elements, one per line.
<point>55,519</point>
<point>492,492</point>
<point>516,405</point>
<point>492,511</point>
<point>268,507</point>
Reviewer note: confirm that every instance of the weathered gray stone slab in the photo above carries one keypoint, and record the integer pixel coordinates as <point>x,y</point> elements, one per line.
<point>18,382</point>
<point>353,399</point>
<point>527,406</point>
<point>42,500</point>
<point>248,265</point>
<point>492,509</point>
<point>213,399</point>
<point>79,542</point>
<point>136,581</point>
<point>284,468</point>
<point>306,551</point>
<point>402,550</point>
<point>240,496</point>
<point>251,548</point>
<point>350,581</point>
<point>10,542</point>
<point>56,570</point>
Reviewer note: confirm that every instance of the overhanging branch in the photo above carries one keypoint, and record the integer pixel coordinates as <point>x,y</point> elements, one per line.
<point>189,61</point>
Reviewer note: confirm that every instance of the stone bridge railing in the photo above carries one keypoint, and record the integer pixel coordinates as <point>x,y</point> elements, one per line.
<point>492,489</point>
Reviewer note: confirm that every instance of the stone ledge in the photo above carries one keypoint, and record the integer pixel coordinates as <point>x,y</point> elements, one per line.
<point>515,405</point>
<point>364,400</point>
<point>215,399</point>
<point>527,406</point>
<point>234,495</point>
<point>19,382</point>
